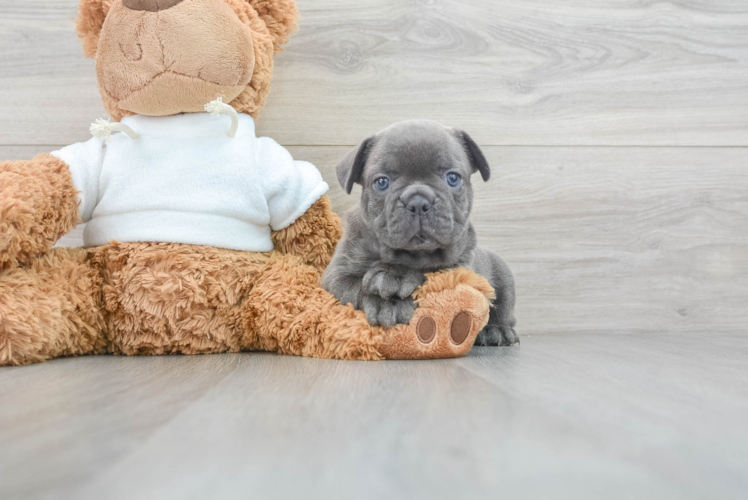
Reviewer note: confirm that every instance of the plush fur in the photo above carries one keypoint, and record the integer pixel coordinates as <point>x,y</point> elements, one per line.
<point>270,23</point>
<point>161,69</point>
<point>166,298</point>
<point>313,237</point>
<point>38,204</point>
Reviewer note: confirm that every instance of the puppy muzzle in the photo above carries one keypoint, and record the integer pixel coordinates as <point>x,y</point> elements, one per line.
<point>418,220</point>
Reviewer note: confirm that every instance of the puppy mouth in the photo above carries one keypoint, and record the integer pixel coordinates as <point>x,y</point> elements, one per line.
<point>420,235</point>
<point>421,241</point>
<point>402,229</point>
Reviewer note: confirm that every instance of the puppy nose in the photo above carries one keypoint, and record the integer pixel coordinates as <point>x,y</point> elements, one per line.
<point>418,198</point>
<point>150,5</point>
<point>418,205</point>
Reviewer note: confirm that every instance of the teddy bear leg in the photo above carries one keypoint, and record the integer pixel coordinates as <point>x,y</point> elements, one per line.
<point>287,311</point>
<point>290,313</point>
<point>453,307</point>
<point>169,298</point>
<point>51,308</point>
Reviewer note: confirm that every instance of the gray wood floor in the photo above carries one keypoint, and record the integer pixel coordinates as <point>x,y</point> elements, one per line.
<point>618,136</point>
<point>572,416</point>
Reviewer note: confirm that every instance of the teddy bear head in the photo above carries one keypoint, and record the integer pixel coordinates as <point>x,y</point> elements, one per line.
<point>163,57</point>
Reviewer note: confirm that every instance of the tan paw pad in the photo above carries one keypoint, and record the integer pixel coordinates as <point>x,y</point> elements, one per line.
<point>460,328</point>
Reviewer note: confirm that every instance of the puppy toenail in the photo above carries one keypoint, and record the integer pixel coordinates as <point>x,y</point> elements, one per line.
<point>426,329</point>
<point>460,329</point>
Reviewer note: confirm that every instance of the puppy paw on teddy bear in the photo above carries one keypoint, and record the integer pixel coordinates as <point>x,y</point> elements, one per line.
<point>200,236</point>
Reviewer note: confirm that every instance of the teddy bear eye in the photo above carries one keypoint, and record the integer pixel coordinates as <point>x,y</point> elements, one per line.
<point>381,183</point>
<point>454,179</point>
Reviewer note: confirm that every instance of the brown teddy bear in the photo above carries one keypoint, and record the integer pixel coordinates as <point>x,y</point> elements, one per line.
<point>201,237</point>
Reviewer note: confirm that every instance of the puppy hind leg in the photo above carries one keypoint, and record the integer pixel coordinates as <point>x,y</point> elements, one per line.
<point>51,308</point>
<point>500,329</point>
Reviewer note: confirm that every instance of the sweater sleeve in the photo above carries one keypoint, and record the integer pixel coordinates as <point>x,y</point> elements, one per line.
<point>290,187</point>
<point>84,160</point>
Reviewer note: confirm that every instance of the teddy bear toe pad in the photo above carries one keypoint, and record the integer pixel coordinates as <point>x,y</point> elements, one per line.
<point>461,327</point>
<point>426,329</point>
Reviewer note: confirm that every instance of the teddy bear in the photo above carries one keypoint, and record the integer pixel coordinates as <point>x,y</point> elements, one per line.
<point>200,236</point>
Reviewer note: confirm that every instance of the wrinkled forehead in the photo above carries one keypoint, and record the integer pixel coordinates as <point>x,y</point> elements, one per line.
<point>417,152</point>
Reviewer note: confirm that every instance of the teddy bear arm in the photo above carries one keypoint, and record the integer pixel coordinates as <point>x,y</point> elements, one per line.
<point>38,205</point>
<point>313,236</point>
<point>52,308</point>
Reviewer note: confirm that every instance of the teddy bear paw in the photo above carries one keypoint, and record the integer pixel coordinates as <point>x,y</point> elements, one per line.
<point>453,309</point>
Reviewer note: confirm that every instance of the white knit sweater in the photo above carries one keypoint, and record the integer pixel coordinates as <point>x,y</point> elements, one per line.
<point>185,181</point>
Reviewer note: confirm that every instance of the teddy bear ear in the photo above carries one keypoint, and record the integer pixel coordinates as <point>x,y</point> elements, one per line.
<point>280,18</point>
<point>91,15</point>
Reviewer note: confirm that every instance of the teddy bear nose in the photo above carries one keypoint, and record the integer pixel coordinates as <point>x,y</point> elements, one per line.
<point>150,5</point>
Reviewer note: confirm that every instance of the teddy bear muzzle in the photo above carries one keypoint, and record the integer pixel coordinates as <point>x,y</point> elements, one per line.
<point>163,57</point>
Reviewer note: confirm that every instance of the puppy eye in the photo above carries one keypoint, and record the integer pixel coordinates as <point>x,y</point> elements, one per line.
<point>454,179</point>
<point>381,183</point>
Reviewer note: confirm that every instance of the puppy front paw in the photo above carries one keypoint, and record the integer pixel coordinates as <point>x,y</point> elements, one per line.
<point>388,282</point>
<point>494,335</point>
<point>388,312</point>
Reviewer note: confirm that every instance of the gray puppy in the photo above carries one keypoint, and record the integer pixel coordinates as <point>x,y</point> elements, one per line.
<point>414,219</point>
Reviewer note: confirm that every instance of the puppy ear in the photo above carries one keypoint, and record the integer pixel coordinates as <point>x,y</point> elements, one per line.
<point>91,15</point>
<point>351,168</point>
<point>477,160</point>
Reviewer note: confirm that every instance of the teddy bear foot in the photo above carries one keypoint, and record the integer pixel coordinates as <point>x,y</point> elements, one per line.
<point>453,307</point>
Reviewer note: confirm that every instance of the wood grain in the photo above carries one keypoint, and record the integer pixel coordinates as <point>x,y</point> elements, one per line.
<point>581,416</point>
<point>619,72</point>
<point>604,240</point>
<point>631,266</point>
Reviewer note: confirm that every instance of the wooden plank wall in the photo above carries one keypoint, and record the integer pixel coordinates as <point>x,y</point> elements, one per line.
<point>617,131</point>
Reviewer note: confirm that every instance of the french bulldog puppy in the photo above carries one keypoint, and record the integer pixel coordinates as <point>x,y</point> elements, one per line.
<point>413,218</point>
